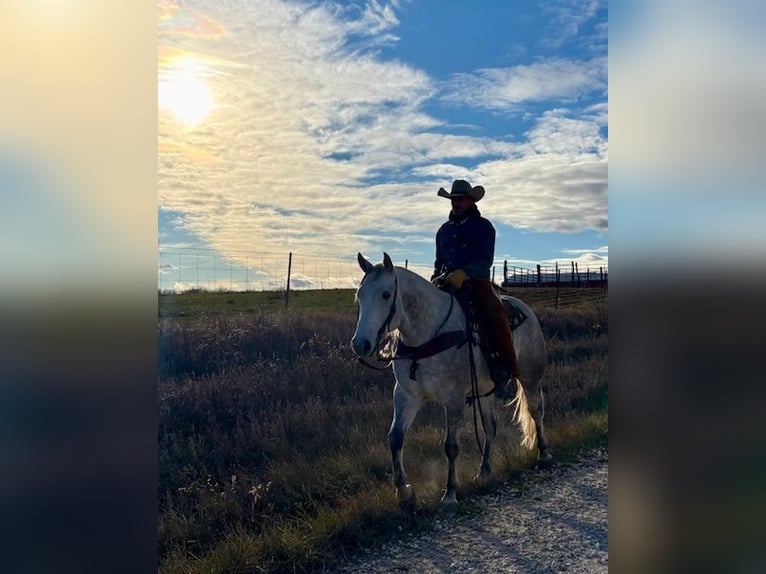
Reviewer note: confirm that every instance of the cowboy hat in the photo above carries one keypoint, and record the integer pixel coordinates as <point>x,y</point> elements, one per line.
<point>461,188</point>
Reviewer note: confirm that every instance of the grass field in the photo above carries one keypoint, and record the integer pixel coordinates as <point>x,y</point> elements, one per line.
<point>205,303</point>
<point>272,437</point>
<point>198,304</point>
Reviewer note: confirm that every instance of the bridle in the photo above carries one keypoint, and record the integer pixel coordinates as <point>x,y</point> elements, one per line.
<point>384,328</point>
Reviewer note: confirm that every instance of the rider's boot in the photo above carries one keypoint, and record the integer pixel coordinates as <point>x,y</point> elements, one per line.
<point>503,363</point>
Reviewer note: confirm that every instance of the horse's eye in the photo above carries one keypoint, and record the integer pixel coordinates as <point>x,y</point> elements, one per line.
<point>386,294</point>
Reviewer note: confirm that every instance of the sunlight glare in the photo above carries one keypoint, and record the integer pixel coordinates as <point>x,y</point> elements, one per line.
<point>186,96</point>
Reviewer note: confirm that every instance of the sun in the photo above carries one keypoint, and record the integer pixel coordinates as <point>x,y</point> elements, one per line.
<point>186,96</point>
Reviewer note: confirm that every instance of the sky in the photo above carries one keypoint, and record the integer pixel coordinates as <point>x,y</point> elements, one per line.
<point>326,128</point>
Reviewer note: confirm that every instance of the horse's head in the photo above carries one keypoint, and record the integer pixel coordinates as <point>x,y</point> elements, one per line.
<point>377,297</point>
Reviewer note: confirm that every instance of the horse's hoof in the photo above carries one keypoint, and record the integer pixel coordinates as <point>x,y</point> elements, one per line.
<point>481,479</point>
<point>406,495</point>
<point>449,500</point>
<point>546,461</point>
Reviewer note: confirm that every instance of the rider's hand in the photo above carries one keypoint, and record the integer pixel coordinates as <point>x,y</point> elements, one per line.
<point>456,279</point>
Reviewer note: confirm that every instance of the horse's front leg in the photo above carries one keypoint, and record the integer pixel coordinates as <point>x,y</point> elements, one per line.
<point>406,406</point>
<point>451,449</point>
<point>486,405</point>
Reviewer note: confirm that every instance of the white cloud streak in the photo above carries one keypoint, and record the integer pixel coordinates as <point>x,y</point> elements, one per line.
<point>568,16</point>
<point>503,89</point>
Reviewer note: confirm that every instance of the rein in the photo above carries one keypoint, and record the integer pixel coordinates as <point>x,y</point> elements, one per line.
<point>472,400</point>
<point>433,346</point>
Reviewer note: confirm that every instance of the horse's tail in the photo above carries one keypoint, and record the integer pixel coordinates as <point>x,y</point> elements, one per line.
<point>523,417</point>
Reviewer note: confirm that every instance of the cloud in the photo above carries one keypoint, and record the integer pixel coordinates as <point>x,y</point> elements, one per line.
<point>567,19</point>
<point>173,21</point>
<point>548,194</point>
<point>504,89</point>
<point>557,180</point>
<point>376,19</point>
<point>556,133</point>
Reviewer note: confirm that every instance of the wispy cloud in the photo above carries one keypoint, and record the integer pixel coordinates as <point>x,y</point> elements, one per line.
<point>567,18</point>
<point>503,89</point>
<point>375,20</point>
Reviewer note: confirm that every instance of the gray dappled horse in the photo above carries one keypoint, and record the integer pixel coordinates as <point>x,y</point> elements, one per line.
<point>395,299</point>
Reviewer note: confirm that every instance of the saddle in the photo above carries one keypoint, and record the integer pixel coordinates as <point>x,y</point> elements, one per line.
<point>515,315</point>
<point>477,331</point>
<point>466,298</point>
<point>486,328</point>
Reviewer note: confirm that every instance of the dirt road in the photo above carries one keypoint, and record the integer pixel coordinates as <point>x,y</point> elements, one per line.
<point>548,521</point>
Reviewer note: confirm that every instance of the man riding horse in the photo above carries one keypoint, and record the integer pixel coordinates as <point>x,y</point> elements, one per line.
<point>465,250</point>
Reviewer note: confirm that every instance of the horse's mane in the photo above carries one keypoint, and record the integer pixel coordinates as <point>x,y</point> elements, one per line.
<point>408,272</point>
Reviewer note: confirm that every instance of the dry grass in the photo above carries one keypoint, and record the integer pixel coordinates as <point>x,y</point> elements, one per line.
<point>272,437</point>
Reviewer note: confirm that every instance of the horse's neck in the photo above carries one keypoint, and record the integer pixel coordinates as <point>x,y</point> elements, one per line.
<point>424,308</point>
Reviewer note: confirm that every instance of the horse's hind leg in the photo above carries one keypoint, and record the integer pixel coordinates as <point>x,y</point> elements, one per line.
<point>406,407</point>
<point>536,405</point>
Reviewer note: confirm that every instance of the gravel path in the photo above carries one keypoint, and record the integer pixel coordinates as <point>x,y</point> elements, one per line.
<point>548,521</point>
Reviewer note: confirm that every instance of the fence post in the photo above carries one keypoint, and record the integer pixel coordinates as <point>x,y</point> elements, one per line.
<point>289,269</point>
<point>406,263</point>
<point>558,277</point>
<point>539,278</point>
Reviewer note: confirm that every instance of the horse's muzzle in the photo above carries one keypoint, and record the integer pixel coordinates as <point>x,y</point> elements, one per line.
<point>363,346</point>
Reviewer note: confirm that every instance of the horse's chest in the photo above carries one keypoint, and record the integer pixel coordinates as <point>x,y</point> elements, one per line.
<point>433,376</point>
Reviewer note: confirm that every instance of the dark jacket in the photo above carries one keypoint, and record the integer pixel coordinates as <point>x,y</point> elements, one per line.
<point>467,244</point>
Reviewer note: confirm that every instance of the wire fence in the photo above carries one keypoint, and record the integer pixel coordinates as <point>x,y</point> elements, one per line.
<point>187,269</point>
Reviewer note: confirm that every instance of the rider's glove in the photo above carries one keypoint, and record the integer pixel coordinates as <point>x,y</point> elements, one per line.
<point>456,279</point>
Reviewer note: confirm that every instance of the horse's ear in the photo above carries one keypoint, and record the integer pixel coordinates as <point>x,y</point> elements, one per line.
<point>387,262</point>
<point>363,263</point>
